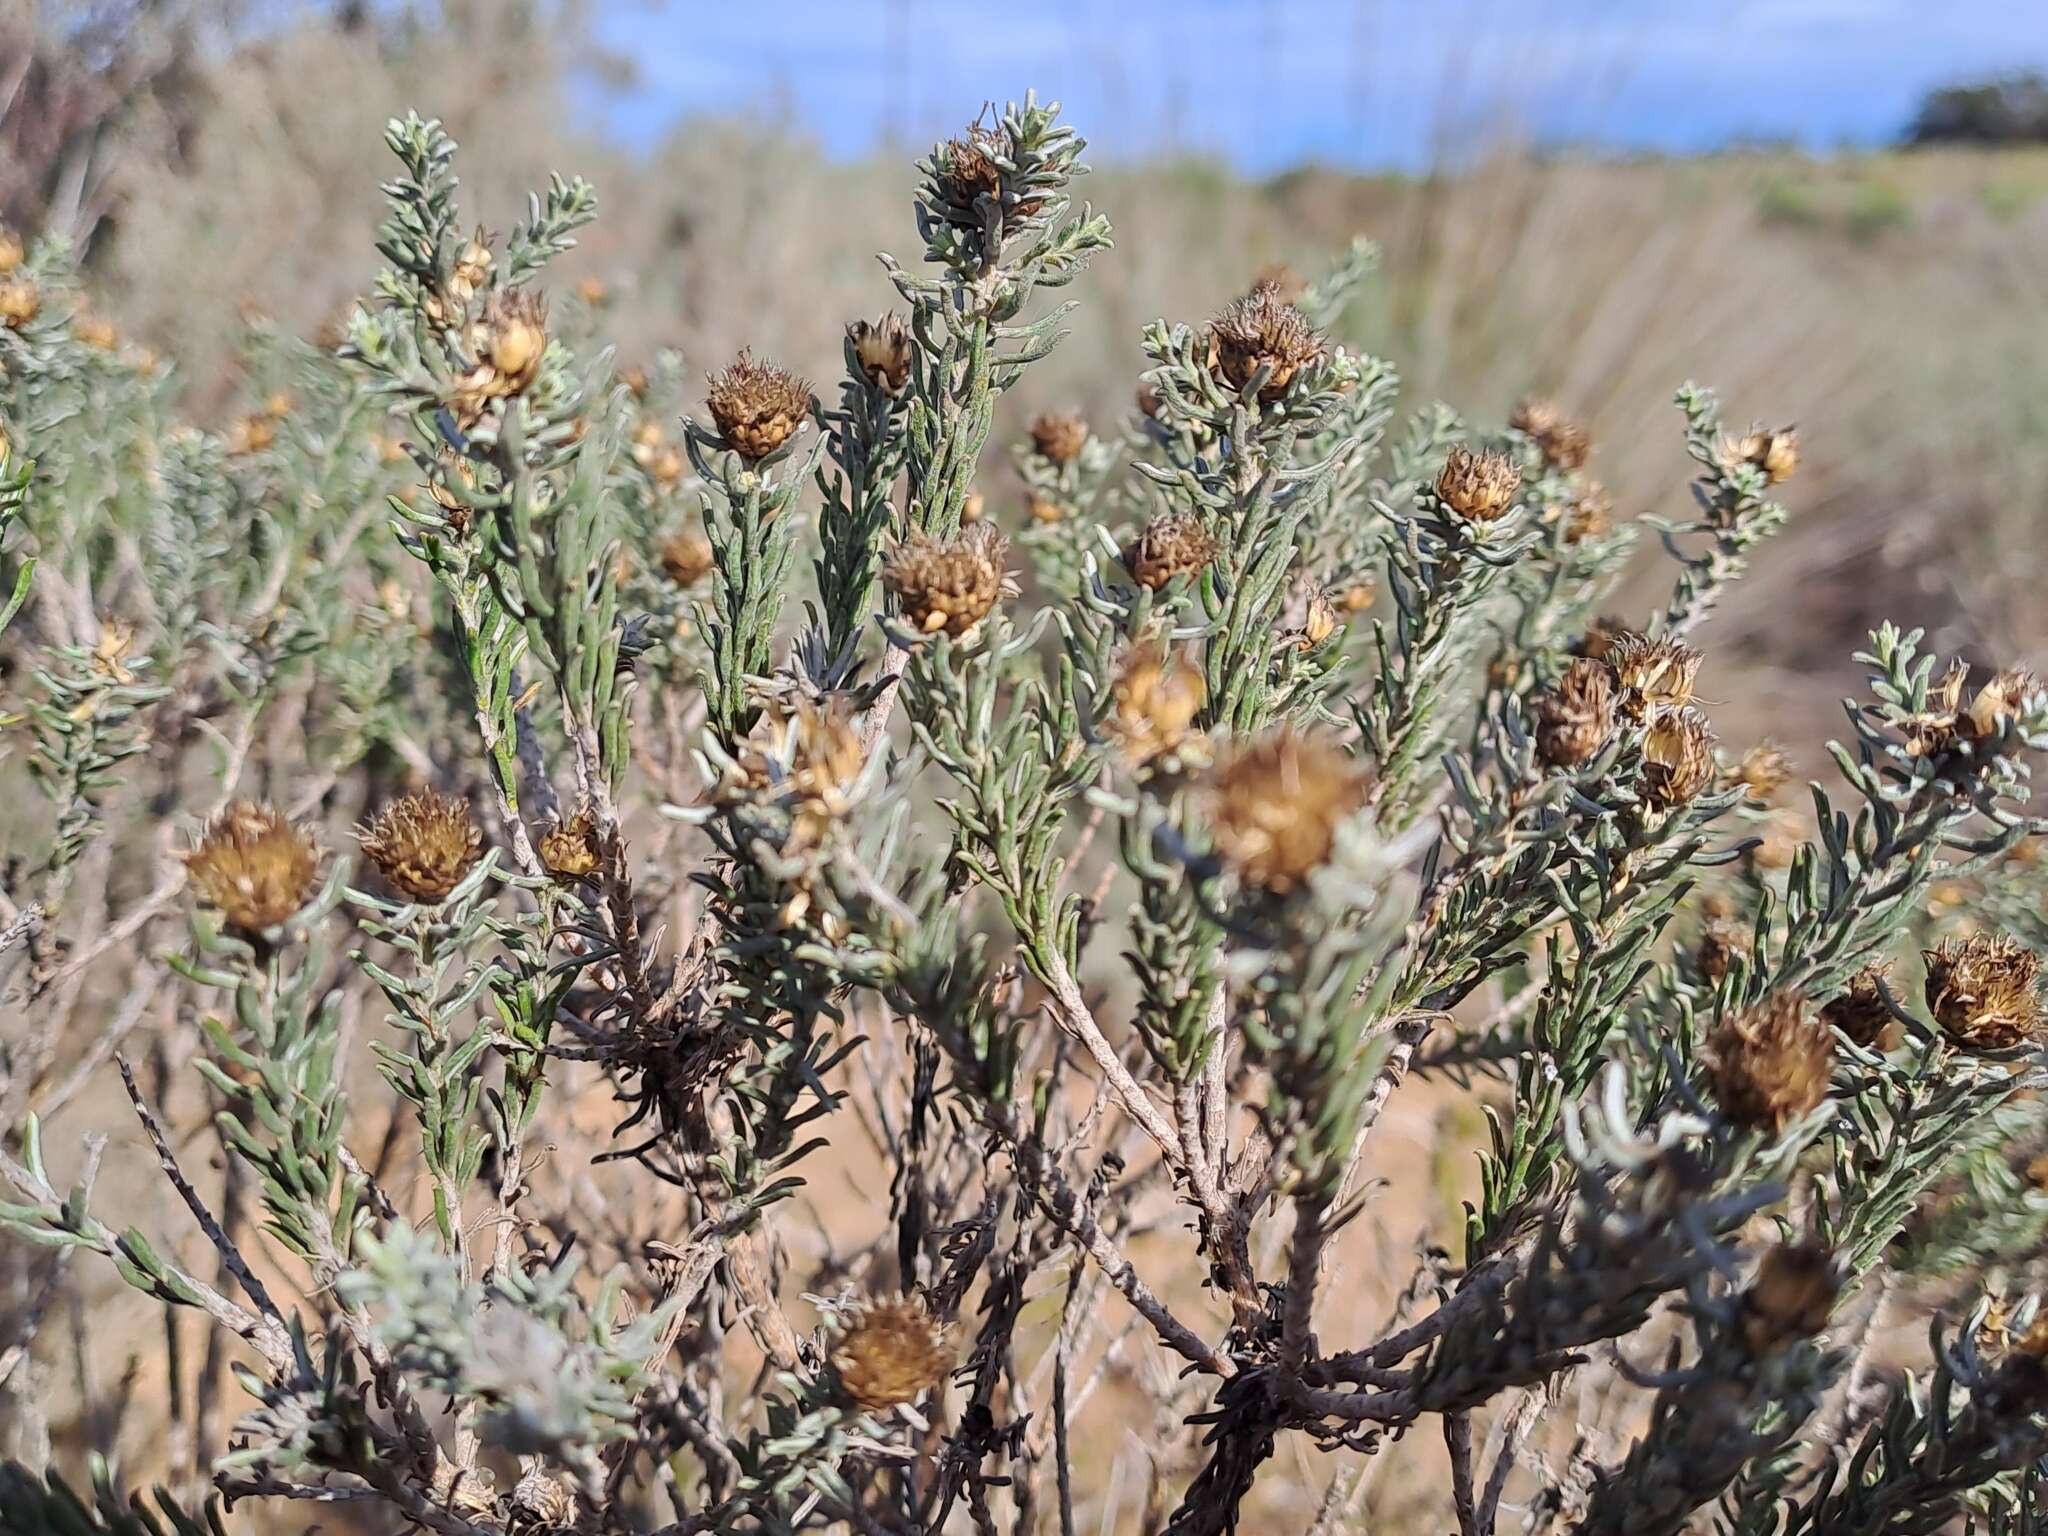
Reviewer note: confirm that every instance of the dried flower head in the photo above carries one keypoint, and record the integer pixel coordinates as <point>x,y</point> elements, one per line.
<point>1059,436</point>
<point>20,302</point>
<point>686,558</point>
<point>1654,675</point>
<point>515,336</point>
<point>1774,450</point>
<point>250,434</point>
<point>1259,332</point>
<point>1601,636</point>
<point>1678,756</point>
<point>1590,514</point>
<point>472,268</point>
<point>1359,596</point>
<point>757,407</point>
<point>1479,487</point>
<point>1575,718</point>
<point>253,866</point>
<point>423,844</point>
<point>881,350</point>
<point>1859,1010</point>
<point>1999,702</point>
<point>1172,544</point>
<point>1153,704</point>
<point>808,760</point>
<point>890,1351</point>
<point>1982,991</point>
<point>95,331</point>
<point>1721,940</point>
<point>967,169</point>
<point>1764,770</point>
<point>1308,617</point>
<point>1045,510</point>
<point>569,848</point>
<point>542,1502</point>
<point>948,584</point>
<point>1770,1063</point>
<point>1563,443</point>
<point>1276,804</point>
<point>1791,1298</point>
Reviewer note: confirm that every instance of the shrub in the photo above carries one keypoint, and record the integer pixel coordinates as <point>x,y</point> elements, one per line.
<point>1105,882</point>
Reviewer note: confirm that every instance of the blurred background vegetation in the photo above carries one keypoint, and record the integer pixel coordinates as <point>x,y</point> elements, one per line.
<point>210,158</point>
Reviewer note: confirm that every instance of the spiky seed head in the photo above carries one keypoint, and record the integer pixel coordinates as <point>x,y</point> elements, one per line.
<point>1999,702</point>
<point>949,584</point>
<point>1791,1298</point>
<point>1563,443</point>
<point>423,844</point>
<point>1275,806</point>
<point>756,406</point>
<point>1261,331</point>
<point>1153,704</point>
<point>881,350</point>
<point>1770,1063</point>
<point>12,252</point>
<point>1478,487</point>
<point>253,866</point>
<point>1654,674</point>
<point>1774,450</point>
<point>1678,756</point>
<point>20,302</point>
<point>1172,544</point>
<point>890,1351</point>
<point>687,558</point>
<point>1059,436</point>
<point>1575,718</point>
<point>1764,770</point>
<point>1983,991</point>
<point>1721,940</point>
<point>569,848</point>
<point>1859,1009</point>
<point>542,1502</point>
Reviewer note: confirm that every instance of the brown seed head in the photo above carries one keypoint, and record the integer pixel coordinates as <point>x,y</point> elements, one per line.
<point>472,268</point>
<point>687,558</point>
<point>1359,596</point>
<point>1774,450</point>
<point>19,301</point>
<point>1318,614</point>
<point>1153,704</point>
<point>1999,702</point>
<point>1769,1064</point>
<point>1654,675</point>
<point>1764,770</point>
<point>253,866</point>
<point>515,337</point>
<point>423,844</point>
<point>1791,1298</point>
<point>1678,756</point>
<point>1059,436</point>
<point>808,760</point>
<point>1563,443</point>
<point>1261,331</point>
<point>948,584</point>
<point>881,349</point>
<point>12,253</point>
<point>1982,991</point>
<point>1479,487</point>
<point>1275,806</point>
<point>757,406</point>
<point>1043,509</point>
<point>569,848</point>
<point>1600,638</point>
<point>1575,718</point>
<point>890,1351</point>
<point>1172,544</point>
<point>251,434</point>
<point>1859,1010</point>
<point>542,1502</point>
<point>1590,515</point>
<point>1721,940</point>
<point>95,331</point>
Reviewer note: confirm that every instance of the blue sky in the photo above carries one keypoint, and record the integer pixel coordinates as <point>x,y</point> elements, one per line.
<point>1270,83</point>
